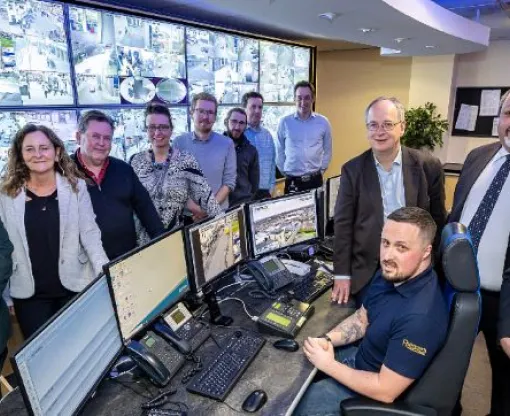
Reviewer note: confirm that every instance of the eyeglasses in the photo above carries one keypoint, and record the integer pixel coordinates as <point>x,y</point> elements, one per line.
<point>386,126</point>
<point>164,128</point>
<point>204,112</point>
<point>236,122</point>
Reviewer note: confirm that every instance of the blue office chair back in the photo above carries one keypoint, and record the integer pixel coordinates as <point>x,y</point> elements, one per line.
<point>440,385</point>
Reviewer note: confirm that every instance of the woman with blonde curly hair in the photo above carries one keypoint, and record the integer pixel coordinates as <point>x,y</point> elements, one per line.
<point>46,209</point>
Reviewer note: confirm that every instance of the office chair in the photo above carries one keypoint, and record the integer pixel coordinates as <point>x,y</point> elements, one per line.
<point>436,392</point>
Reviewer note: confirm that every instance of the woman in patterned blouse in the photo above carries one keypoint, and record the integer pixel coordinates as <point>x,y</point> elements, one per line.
<point>172,177</point>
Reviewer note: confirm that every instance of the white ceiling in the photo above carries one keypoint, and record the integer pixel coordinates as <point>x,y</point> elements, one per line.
<point>420,22</point>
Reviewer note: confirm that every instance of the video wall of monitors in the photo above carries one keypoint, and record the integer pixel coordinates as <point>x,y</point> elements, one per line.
<point>119,62</point>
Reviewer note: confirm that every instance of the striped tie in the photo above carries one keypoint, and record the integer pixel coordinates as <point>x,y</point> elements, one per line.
<point>481,218</point>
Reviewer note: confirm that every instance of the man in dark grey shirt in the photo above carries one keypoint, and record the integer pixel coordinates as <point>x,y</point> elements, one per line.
<point>214,152</point>
<point>248,172</point>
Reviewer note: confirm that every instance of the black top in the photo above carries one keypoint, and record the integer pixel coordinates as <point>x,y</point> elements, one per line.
<point>42,227</point>
<point>248,172</point>
<point>120,196</point>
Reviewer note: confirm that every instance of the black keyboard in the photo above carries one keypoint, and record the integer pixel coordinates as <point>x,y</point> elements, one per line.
<point>311,287</point>
<point>220,375</point>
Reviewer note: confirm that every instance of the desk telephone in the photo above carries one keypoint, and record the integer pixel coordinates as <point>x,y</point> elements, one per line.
<point>270,273</point>
<point>163,350</point>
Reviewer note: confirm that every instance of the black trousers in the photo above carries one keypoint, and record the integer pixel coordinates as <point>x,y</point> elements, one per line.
<point>297,184</point>
<point>499,361</point>
<point>34,312</point>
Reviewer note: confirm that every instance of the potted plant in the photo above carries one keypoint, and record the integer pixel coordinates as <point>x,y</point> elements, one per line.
<point>424,128</point>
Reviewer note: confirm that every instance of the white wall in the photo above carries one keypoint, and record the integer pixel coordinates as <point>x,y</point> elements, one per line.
<point>490,68</point>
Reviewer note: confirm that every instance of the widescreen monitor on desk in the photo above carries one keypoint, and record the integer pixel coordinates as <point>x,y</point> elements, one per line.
<point>148,280</point>
<point>278,223</point>
<point>60,366</point>
<point>216,246</point>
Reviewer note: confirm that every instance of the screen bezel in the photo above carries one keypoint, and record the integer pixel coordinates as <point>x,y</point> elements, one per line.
<point>106,269</point>
<point>250,206</point>
<point>87,397</point>
<point>328,197</point>
<point>190,254</point>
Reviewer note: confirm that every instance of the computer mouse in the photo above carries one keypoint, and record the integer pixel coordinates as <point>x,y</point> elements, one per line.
<point>255,401</point>
<point>286,344</point>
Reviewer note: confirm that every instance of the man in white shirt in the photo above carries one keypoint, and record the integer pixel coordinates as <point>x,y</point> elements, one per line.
<point>481,203</point>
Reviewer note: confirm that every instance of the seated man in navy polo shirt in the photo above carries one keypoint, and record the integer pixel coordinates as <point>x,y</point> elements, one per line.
<point>401,324</point>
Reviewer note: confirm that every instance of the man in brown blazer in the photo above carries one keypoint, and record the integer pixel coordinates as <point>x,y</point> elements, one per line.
<point>373,185</point>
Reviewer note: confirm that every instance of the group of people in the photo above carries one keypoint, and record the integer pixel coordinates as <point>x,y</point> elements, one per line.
<point>388,218</point>
<point>64,216</point>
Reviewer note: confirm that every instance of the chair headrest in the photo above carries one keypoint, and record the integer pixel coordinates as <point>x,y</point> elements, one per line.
<point>458,258</point>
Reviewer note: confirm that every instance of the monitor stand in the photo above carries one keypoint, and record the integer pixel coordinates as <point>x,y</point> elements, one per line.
<point>216,317</point>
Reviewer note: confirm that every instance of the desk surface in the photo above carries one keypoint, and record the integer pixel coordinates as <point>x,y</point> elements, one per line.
<point>279,373</point>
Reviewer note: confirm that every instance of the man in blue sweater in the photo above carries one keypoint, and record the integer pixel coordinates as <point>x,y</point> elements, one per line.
<point>116,192</point>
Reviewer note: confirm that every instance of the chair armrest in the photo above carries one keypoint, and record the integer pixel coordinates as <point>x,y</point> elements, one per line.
<point>361,406</point>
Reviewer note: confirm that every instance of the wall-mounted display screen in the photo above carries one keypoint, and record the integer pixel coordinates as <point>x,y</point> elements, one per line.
<point>221,64</point>
<point>34,64</point>
<point>126,59</point>
<point>119,62</point>
<point>282,66</point>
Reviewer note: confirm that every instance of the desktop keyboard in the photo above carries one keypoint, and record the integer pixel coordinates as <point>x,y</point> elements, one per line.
<point>311,287</point>
<point>220,375</point>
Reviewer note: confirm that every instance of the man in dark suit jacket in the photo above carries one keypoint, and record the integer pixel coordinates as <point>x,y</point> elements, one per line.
<point>5,273</point>
<point>484,182</point>
<point>374,184</point>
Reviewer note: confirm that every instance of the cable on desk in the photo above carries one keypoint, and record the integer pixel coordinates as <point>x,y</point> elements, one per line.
<point>252,317</point>
<point>225,287</point>
<point>133,390</point>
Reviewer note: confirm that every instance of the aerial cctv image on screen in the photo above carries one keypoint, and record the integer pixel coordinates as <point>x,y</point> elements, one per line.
<point>334,186</point>
<point>218,245</point>
<point>282,222</point>
<point>62,122</point>
<point>61,365</point>
<point>221,64</point>
<point>282,66</point>
<point>111,50</point>
<point>147,282</point>
<point>130,136</point>
<point>34,66</point>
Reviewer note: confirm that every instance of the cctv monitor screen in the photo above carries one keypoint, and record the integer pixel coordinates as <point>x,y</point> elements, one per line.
<point>280,223</point>
<point>332,193</point>
<point>217,245</point>
<point>60,366</point>
<point>147,281</point>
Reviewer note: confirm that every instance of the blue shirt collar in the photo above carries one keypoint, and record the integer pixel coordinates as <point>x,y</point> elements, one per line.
<point>397,161</point>
<point>413,286</point>
<point>312,115</point>
<point>194,137</point>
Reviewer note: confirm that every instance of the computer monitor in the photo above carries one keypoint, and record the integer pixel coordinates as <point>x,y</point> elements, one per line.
<point>282,222</point>
<point>60,366</point>
<point>333,185</point>
<point>216,246</point>
<point>148,280</point>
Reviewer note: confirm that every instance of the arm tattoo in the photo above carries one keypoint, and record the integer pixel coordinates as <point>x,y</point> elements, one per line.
<point>351,329</point>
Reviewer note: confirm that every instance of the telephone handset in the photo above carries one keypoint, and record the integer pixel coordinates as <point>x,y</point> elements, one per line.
<point>149,363</point>
<point>159,360</point>
<point>270,273</point>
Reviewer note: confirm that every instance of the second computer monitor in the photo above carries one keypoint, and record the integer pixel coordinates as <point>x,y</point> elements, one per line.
<point>217,245</point>
<point>147,281</point>
<point>282,222</point>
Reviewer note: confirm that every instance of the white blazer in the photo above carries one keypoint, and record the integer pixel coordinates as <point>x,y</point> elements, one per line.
<point>81,254</point>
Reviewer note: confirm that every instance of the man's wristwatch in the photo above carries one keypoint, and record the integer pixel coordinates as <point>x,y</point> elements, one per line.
<point>326,337</point>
